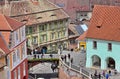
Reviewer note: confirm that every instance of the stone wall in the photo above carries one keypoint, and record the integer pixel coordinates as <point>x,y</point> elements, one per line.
<point>63,75</point>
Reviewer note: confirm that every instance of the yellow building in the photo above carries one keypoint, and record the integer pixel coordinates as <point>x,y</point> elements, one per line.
<point>46,24</point>
<point>48,29</point>
<point>82,41</point>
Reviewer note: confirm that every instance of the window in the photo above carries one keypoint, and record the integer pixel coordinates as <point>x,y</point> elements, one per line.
<point>23,32</point>
<point>8,74</point>
<point>109,46</point>
<point>18,72</point>
<point>17,36</point>
<point>43,38</point>
<point>15,75</point>
<point>53,35</point>
<point>24,50</point>
<point>8,61</point>
<point>43,27</point>
<point>30,30</point>
<point>18,54</point>
<point>52,26</point>
<point>61,22</point>
<point>35,40</point>
<point>94,44</point>
<point>59,34</point>
<point>14,59</point>
<point>24,69</point>
<point>28,42</point>
<point>72,41</point>
<point>34,30</point>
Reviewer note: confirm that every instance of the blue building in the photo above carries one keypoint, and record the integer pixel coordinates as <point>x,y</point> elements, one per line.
<point>103,38</point>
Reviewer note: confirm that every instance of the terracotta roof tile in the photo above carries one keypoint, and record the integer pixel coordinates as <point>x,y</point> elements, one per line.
<point>7,23</point>
<point>6,36</point>
<point>73,29</point>
<point>27,11</point>
<point>105,23</point>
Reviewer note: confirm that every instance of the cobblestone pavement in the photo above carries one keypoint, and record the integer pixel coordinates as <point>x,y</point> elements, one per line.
<point>44,71</point>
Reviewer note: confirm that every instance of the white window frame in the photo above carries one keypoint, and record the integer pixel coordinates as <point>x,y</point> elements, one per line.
<point>18,54</point>
<point>14,59</point>
<point>8,61</point>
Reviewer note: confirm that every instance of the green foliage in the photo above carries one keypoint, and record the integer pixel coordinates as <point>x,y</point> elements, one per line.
<point>43,60</point>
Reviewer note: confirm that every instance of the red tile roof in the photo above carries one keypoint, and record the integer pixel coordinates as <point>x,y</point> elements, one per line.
<point>6,36</point>
<point>3,45</point>
<point>105,23</point>
<point>29,12</point>
<point>7,23</point>
<point>82,37</point>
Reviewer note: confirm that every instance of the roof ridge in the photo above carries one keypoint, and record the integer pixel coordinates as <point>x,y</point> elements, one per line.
<point>5,17</point>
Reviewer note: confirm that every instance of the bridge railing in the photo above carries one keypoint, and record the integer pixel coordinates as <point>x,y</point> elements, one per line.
<point>42,56</point>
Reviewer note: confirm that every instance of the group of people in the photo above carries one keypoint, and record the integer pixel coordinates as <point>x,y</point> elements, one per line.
<point>103,75</point>
<point>67,58</point>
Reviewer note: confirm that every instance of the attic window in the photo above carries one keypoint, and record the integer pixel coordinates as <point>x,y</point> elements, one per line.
<point>24,20</point>
<point>98,26</point>
<point>92,6</point>
<point>39,18</point>
<point>53,15</point>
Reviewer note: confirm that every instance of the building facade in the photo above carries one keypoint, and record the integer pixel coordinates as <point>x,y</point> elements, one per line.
<point>14,36</point>
<point>46,24</point>
<point>4,50</point>
<point>103,38</point>
<point>81,9</point>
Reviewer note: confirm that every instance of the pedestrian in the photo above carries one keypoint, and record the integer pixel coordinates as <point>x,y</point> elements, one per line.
<point>99,76</point>
<point>95,74</point>
<point>103,73</point>
<point>51,55</point>
<point>107,76</point>
<point>71,60</point>
<point>53,66</point>
<point>109,72</point>
<point>69,56</point>
<point>62,57</point>
<point>38,56</point>
<point>65,58</point>
<point>34,56</point>
<point>91,76</point>
<point>42,55</point>
<point>115,71</point>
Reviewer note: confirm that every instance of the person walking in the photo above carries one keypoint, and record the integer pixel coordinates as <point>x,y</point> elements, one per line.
<point>99,76</point>
<point>107,76</point>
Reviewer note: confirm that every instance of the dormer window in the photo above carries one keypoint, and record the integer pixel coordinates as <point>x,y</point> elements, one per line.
<point>39,18</point>
<point>53,15</point>
<point>24,20</point>
<point>98,26</point>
